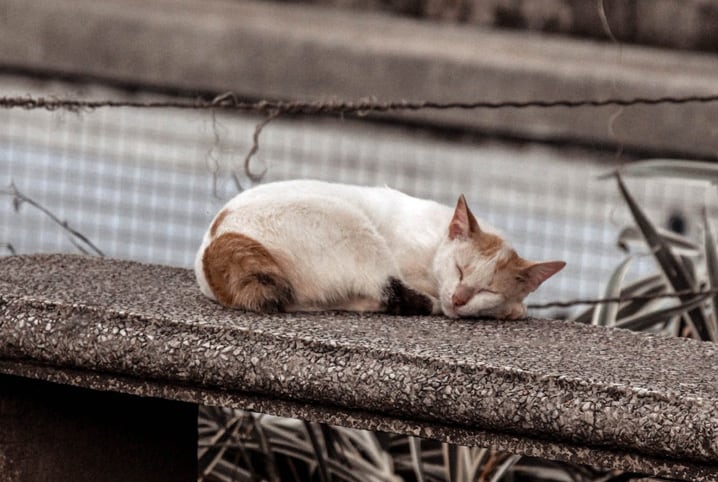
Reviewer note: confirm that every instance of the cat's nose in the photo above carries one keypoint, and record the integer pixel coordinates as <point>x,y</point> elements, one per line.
<point>458,300</point>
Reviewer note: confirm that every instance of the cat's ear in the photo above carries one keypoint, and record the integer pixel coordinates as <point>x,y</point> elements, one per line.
<point>463,224</point>
<point>537,273</point>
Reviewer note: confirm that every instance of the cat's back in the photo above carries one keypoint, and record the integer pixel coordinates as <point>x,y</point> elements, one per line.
<point>285,209</point>
<point>307,233</point>
<point>285,192</point>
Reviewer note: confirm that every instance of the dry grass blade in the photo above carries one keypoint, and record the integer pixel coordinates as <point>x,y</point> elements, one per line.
<point>77,238</point>
<point>265,446</point>
<point>319,454</point>
<point>673,269</point>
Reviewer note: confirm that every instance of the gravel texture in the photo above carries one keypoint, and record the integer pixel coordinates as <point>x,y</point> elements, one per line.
<point>547,388</point>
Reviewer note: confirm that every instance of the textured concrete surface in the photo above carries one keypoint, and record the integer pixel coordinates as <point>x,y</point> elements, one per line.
<point>269,50</point>
<point>548,388</point>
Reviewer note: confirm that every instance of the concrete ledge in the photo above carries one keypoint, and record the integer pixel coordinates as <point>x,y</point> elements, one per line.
<point>296,51</point>
<point>683,24</point>
<point>547,388</point>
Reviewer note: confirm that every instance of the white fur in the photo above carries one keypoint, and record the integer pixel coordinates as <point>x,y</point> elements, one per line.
<point>339,244</point>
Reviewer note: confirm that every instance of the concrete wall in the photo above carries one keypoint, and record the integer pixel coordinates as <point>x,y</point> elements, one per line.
<point>279,51</point>
<point>680,24</point>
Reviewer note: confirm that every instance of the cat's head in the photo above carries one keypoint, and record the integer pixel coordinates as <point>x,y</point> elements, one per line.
<point>479,273</point>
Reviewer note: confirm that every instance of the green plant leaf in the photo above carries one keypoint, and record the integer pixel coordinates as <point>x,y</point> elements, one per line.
<point>641,286</point>
<point>265,445</point>
<point>585,316</point>
<point>504,468</point>
<point>605,314</point>
<point>206,459</point>
<point>416,461</point>
<point>307,456</point>
<point>318,453</point>
<point>673,168</point>
<point>477,458</point>
<point>647,320</point>
<point>637,306</point>
<point>672,267</point>
<point>225,471</point>
<point>365,451</point>
<point>679,244</point>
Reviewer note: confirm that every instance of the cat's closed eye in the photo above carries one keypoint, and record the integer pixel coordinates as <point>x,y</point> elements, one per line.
<point>461,272</point>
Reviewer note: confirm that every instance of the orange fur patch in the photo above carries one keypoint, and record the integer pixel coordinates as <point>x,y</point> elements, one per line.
<point>243,274</point>
<point>505,275</point>
<point>488,244</point>
<point>513,260</point>
<point>217,221</point>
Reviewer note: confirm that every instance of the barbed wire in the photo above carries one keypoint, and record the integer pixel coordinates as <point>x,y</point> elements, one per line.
<point>231,101</point>
<point>272,109</point>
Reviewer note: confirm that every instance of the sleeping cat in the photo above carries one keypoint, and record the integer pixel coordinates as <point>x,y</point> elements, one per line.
<point>311,245</point>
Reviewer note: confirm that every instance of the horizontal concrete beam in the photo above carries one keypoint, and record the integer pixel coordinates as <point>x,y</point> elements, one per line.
<point>681,24</point>
<point>267,50</point>
<point>546,388</point>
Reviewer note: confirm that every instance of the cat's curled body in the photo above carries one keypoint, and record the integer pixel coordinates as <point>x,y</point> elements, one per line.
<point>311,245</point>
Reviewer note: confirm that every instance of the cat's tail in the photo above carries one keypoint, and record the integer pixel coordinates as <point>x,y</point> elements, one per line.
<point>243,274</point>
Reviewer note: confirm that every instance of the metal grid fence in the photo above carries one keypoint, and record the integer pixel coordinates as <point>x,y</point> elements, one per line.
<point>139,183</point>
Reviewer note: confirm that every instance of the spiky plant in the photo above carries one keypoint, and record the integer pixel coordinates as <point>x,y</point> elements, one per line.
<point>682,266</point>
<point>241,446</point>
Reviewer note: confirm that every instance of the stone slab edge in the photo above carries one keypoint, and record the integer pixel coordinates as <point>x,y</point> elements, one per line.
<point>326,372</point>
<point>596,457</point>
<point>567,382</point>
<point>267,50</point>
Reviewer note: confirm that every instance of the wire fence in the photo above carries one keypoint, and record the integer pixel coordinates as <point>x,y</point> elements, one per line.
<point>143,184</point>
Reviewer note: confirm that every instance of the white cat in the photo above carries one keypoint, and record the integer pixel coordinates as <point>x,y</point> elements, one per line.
<point>311,245</point>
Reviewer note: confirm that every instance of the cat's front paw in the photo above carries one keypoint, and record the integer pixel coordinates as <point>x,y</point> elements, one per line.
<point>514,311</point>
